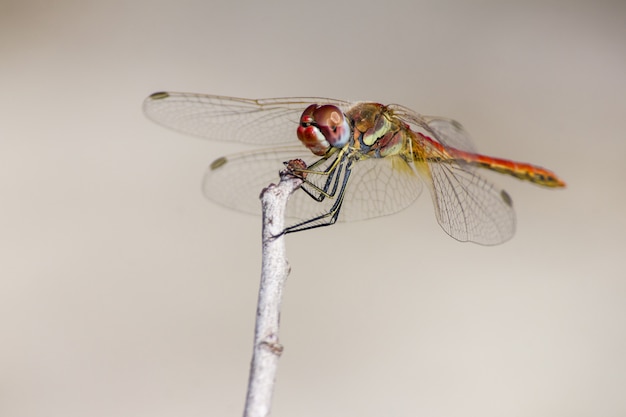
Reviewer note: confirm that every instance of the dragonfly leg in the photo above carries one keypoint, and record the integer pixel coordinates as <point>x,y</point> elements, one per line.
<point>320,193</point>
<point>332,215</point>
<point>333,174</point>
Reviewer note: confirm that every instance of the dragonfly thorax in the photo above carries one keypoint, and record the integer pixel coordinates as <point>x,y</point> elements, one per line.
<point>323,127</point>
<point>376,130</point>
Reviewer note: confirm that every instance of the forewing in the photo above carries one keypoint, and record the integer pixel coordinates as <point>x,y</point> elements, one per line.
<point>376,187</point>
<point>236,181</point>
<point>253,121</point>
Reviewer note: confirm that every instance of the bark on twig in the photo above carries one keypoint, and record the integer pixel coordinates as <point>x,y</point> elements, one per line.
<point>267,348</point>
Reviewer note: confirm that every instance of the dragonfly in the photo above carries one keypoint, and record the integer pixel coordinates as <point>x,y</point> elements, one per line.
<point>358,160</point>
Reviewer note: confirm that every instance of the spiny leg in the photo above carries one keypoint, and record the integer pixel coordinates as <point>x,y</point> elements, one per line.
<point>319,194</point>
<point>329,217</point>
<point>332,172</point>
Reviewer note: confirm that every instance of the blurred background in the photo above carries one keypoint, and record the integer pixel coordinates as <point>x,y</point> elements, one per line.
<point>124,292</point>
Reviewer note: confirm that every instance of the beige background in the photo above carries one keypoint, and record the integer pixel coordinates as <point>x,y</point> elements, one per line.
<point>123,292</point>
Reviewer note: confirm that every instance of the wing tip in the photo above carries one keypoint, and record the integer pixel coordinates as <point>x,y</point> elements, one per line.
<point>159,95</point>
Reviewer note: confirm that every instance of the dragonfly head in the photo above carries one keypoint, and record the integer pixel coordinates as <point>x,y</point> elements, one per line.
<point>323,127</point>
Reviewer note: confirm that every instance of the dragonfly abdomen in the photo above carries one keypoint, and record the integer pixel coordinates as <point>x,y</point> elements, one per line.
<point>436,152</point>
<point>520,170</point>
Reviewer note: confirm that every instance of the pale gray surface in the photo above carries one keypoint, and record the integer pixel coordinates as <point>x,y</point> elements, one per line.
<point>123,292</point>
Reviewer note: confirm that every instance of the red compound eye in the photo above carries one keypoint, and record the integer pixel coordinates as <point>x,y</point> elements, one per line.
<point>332,123</point>
<point>322,127</point>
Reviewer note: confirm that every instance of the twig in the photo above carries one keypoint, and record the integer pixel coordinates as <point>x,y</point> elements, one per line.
<point>267,349</point>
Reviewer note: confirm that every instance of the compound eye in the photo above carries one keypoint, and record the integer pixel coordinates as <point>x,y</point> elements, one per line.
<point>328,116</point>
<point>322,127</point>
<point>332,123</point>
<point>308,117</point>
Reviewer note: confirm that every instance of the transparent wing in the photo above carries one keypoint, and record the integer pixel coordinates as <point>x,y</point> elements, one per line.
<point>261,122</point>
<point>378,187</point>
<point>236,181</point>
<point>446,131</point>
<point>375,188</point>
<point>468,207</point>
